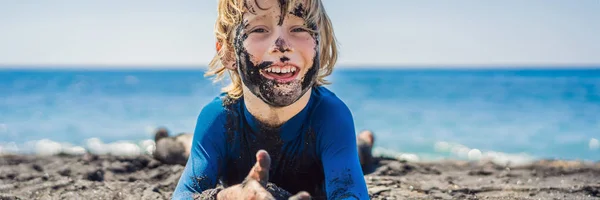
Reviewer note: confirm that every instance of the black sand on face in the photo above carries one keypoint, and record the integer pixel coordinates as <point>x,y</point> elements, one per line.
<point>262,87</point>
<point>142,177</point>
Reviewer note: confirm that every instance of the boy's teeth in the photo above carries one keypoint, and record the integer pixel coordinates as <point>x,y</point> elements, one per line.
<point>282,70</point>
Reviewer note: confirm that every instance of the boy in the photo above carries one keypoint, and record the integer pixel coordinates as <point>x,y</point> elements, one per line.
<point>276,122</point>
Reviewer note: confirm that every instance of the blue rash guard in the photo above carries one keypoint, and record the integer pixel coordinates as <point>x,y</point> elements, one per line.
<point>314,151</point>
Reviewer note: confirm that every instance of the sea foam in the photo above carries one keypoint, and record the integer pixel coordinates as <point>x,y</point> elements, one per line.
<point>46,147</point>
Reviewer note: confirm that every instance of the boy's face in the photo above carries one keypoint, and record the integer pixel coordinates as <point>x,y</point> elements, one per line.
<point>277,52</point>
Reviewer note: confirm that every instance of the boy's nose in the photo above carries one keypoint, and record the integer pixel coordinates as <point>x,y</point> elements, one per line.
<point>280,46</point>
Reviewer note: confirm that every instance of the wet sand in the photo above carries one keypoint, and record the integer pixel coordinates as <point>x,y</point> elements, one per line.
<point>142,177</point>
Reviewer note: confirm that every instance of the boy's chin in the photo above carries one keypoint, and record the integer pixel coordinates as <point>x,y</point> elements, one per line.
<point>277,94</point>
<point>281,97</point>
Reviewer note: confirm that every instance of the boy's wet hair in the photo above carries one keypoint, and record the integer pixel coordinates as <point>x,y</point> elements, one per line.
<point>230,14</point>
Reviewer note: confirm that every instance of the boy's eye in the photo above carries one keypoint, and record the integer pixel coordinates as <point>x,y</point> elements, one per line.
<point>299,30</point>
<point>258,30</point>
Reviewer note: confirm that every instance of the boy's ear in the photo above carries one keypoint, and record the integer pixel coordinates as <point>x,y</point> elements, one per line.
<point>228,60</point>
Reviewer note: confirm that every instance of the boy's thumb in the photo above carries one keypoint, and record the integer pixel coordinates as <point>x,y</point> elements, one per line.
<point>301,196</point>
<point>260,171</point>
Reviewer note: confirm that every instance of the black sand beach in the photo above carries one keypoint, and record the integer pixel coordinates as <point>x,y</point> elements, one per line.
<point>142,177</point>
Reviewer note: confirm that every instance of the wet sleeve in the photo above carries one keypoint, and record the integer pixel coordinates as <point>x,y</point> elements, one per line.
<point>344,178</point>
<point>207,155</point>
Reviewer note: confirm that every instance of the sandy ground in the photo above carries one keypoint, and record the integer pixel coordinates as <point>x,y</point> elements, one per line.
<point>112,177</point>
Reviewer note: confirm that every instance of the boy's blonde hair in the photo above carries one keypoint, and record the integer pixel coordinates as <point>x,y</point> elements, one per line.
<point>230,14</point>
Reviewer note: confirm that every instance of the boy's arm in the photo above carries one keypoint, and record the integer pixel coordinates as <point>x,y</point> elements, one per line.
<point>207,154</point>
<point>344,178</point>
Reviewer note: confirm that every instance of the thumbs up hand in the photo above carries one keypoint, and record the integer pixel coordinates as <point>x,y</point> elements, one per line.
<point>254,186</point>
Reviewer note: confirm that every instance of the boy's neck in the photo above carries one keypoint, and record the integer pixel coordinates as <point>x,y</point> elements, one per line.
<point>273,116</point>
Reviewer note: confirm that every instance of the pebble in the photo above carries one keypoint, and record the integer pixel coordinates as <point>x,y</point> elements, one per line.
<point>377,190</point>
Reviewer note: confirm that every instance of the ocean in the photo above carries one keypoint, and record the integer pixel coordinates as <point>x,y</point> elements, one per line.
<point>507,115</point>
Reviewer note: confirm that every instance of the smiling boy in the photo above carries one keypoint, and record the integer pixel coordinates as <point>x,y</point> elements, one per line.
<point>275,122</point>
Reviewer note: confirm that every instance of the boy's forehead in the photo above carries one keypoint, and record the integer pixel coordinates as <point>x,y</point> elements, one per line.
<point>266,7</point>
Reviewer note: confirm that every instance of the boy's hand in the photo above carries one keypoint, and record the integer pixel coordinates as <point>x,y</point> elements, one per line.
<point>301,196</point>
<point>253,188</point>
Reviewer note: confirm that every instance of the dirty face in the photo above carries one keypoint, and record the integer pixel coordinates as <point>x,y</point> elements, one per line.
<point>277,51</point>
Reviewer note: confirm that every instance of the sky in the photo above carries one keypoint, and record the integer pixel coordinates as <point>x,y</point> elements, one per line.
<point>143,33</point>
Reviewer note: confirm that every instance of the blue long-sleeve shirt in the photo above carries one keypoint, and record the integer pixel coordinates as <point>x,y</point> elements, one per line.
<point>314,151</point>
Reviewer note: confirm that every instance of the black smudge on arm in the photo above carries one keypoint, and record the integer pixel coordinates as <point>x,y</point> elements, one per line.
<point>203,182</point>
<point>342,183</point>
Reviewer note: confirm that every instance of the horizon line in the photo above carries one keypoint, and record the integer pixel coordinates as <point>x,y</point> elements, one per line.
<point>343,66</point>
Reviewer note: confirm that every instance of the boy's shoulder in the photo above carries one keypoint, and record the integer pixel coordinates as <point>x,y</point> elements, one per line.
<point>218,107</point>
<point>222,101</point>
<point>328,104</point>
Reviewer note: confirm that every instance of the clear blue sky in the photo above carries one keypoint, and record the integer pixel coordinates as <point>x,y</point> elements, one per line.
<point>377,32</point>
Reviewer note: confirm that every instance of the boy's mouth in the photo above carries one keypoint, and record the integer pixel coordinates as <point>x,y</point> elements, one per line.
<point>280,73</point>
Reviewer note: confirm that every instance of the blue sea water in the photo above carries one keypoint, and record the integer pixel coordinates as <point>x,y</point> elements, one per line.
<point>511,114</point>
